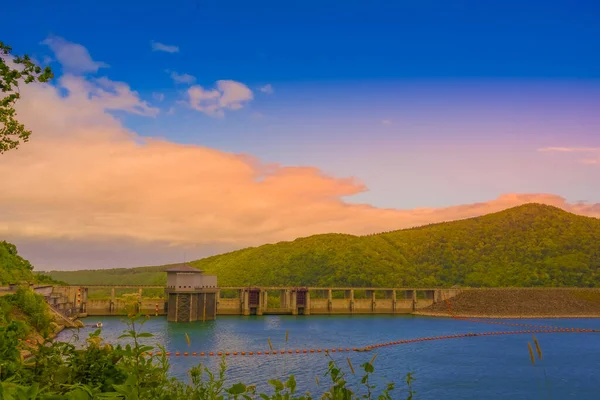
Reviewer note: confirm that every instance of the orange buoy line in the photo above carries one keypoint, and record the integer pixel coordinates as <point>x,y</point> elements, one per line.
<point>252,353</point>
<point>397,342</point>
<point>533,329</point>
<point>458,336</point>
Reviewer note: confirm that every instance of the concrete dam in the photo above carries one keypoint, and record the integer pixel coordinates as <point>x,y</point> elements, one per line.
<point>256,300</point>
<point>190,295</point>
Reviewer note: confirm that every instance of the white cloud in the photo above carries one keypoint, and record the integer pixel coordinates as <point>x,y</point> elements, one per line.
<point>73,57</point>
<point>570,149</point>
<point>118,96</point>
<point>158,96</point>
<point>157,46</point>
<point>106,95</point>
<point>386,122</point>
<point>591,161</point>
<point>228,94</point>
<point>182,78</point>
<point>268,89</point>
<point>593,151</point>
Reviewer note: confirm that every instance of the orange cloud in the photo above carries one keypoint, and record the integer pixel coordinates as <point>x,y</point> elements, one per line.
<point>593,151</point>
<point>83,176</point>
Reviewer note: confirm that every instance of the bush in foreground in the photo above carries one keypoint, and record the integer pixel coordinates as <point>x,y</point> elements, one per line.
<point>58,370</point>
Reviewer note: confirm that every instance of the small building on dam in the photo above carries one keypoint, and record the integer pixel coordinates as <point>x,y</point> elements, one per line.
<point>190,294</point>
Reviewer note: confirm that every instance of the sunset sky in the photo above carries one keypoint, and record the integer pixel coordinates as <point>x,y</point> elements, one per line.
<point>175,130</point>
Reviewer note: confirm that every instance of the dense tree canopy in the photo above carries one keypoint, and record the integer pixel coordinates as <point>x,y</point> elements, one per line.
<point>530,245</point>
<point>16,269</point>
<point>13,268</point>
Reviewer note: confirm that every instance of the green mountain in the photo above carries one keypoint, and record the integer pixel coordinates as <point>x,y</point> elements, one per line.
<point>529,245</point>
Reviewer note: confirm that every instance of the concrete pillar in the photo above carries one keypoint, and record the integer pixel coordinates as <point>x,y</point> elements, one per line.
<point>293,303</point>
<point>414,300</point>
<point>349,294</point>
<point>139,303</point>
<point>265,300</point>
<point>394,302</point>
<point>283,300</point>
<point>371,296</point>
<point>329,300</point>
<point>261,302</point>
<point>246,303</point>
<point>112,300</point>
<point>84,296</point>
<point>373,301</point>
<point>307,303</point>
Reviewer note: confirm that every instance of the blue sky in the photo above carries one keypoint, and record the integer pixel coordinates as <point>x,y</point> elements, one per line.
<point>279,42</point>
<point>358,86</point>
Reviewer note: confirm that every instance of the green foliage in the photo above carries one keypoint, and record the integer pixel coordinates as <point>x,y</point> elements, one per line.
<point>9,348</point>
<point>12,132</point>
<point>28,306</point>
<point>530,245</point>
<point>99,371</point>
<point>15,269</point>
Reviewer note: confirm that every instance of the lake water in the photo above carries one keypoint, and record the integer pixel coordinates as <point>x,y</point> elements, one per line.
<point>482,367</point>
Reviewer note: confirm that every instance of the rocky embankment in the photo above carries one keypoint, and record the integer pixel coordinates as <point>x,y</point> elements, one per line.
<point>58,324</point>
<point>520,303</point>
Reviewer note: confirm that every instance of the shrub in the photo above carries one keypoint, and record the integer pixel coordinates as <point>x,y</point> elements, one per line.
<point>99,371</point>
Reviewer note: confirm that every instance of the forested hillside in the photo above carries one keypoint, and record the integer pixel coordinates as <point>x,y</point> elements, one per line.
<point>530,245</point>
<point>15,269</point>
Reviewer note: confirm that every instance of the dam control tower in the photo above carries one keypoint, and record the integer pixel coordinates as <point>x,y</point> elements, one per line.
<point>191,295</point>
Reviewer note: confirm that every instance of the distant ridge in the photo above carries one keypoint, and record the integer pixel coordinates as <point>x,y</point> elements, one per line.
<point>528,245</point>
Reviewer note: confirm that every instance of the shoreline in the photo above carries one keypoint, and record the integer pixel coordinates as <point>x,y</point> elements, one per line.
<point>420,314</point>
<point>491,316</point>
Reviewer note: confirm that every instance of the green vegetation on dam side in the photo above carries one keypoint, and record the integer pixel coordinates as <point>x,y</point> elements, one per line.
<point>529,245</point>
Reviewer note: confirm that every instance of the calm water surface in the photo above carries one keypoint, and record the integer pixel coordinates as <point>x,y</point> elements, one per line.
<point>495,367</point>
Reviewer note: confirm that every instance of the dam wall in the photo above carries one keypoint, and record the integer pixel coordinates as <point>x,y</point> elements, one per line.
<point>262,300</point>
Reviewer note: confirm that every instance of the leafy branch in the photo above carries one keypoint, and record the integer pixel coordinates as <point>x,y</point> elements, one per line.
<point>26,71</point>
